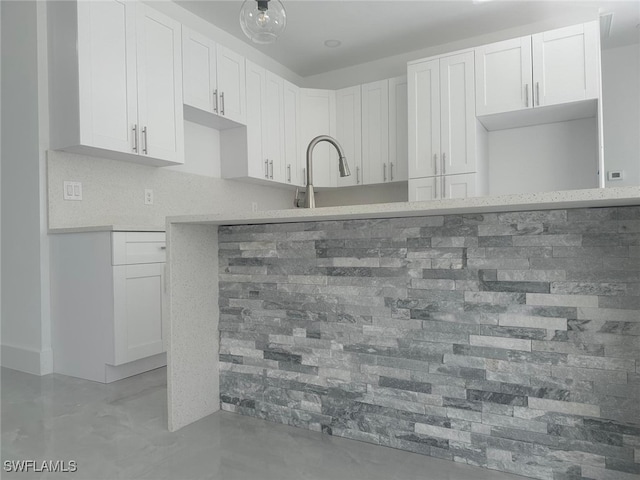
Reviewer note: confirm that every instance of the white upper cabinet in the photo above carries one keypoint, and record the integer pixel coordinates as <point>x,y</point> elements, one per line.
<point>319,118</point>
<point>442,124</point>
<point>257,164</point>
<point>375,132</point>
<point>550,68</point>
<point>504,76</point>
<point>292,157</point>
<point>349,132</point>
<point>199,71</point>
<point>214,77</point>
<point>457,114</point>
<point>273,127</point>
<point>231,85</point>
<point>424,118</point>
<point>115,81</point>
<point>566,64</point>
<point>159,78</point>
<point>398,128</point>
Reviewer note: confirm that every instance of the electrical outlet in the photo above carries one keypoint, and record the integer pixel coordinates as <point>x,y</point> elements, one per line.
<point>254,207</point>
<point>72,190</point>
<point>148,196</point>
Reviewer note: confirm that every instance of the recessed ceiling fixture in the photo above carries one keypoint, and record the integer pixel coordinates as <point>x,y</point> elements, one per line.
<point>332,43</point>
<point>263,20</point>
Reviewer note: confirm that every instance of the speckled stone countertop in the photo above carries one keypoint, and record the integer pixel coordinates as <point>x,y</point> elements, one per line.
<point>109,228</point>
<point>597,197</point>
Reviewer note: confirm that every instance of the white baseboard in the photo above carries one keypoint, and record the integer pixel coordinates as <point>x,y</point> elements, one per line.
<point>36,362</point>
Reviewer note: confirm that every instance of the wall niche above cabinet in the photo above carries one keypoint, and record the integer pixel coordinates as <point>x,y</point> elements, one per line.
<point>115,73</point>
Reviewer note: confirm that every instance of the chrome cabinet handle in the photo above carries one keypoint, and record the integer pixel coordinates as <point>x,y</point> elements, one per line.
<point>526,94</point>
<point>266,168</point>
<point>443,193</point>
<point>538,93</point>
<point>304,176</point>
<point>215,105</point>
<point>444,163</point>
<point>391,171</point>
<point>357,174</point>
<point>271,165</point>
<point>146,141</point>
<point>289,173</point>
<point>435,163</point>
<point>135,138</point>
<point>384,172</point>
<point>222,103</point>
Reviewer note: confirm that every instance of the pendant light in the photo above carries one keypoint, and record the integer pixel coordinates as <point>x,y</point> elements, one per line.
<point>262,20</point>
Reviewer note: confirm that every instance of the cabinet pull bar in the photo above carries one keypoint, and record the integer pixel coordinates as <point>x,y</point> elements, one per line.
<point>443,193</point>
<point>304,176</point>
<point>146,141</point>
<point>222,103</point>
<point>444,163</point>
<point>435,163</point>
<point>266,168</point>
<point>391,171</point>
<point>271,165</point>
<point>538,93</point>
<point>215,96</point>
<point>135,138</point>
<point>526,95</point>
<point>384,172</point>
<point>357,175</point>
<point>289,173</point>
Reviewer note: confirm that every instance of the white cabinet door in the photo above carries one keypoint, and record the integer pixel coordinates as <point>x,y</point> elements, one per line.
<point>458,119</point>
<point>398,130</point>
<point>504,76</point>
<point>349,132</point>
<point>258,166</point>
<point>273,127</point>
<point>375,132</point>
<point>231,85</point>
<point>138,311</point>
<point>459,186</point>
<point>424,118</point>
<point>318,118</point>
<point>198,70</point>
<point>565,64</point>
<point>160,113</point>
<point>424,189</point>
<point>292,158</point>
<point>107,75</point>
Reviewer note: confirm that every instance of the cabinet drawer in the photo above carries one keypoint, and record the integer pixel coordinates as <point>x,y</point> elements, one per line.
<point>129,248</point>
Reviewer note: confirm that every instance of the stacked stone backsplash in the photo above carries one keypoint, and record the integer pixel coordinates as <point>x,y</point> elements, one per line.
<point>508,340</point>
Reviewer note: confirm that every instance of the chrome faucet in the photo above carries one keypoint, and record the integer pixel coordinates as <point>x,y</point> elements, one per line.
<point>309,197</point>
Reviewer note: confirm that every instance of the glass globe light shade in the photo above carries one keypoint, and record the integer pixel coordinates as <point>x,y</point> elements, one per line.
<point>262,20</point>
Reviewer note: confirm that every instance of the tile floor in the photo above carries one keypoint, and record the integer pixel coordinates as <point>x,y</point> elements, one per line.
<point>118,431</point>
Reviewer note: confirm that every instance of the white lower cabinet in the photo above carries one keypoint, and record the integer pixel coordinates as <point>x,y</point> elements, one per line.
<point>445,187</point>
<point>107,303</point>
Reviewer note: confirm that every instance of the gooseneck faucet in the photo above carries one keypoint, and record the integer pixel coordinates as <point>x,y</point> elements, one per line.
<point>343,166</point>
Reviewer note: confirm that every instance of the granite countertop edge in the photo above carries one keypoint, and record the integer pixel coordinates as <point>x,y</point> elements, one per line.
<point>597,197</point>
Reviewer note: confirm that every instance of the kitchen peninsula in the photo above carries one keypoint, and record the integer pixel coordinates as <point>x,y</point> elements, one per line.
<point>495,331</point>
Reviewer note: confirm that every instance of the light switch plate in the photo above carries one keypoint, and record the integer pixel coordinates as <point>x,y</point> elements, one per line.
<point>148,196</point>
<point>615,175</point>
<point>72,190</point>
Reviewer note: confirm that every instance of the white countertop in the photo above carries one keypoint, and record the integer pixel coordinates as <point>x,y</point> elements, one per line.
<point>596,197</point>
<point>109,228</point>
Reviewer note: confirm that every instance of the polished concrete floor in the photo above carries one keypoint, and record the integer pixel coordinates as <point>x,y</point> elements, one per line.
<point>118,431</point>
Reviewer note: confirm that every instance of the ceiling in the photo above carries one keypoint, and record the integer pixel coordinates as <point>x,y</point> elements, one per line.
<point>373,29</point>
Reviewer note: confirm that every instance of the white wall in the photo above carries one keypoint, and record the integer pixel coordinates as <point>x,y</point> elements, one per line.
<point>621,110</point>
<point>363,195</point>
<point>24,271</point>
<point>556,156</point>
